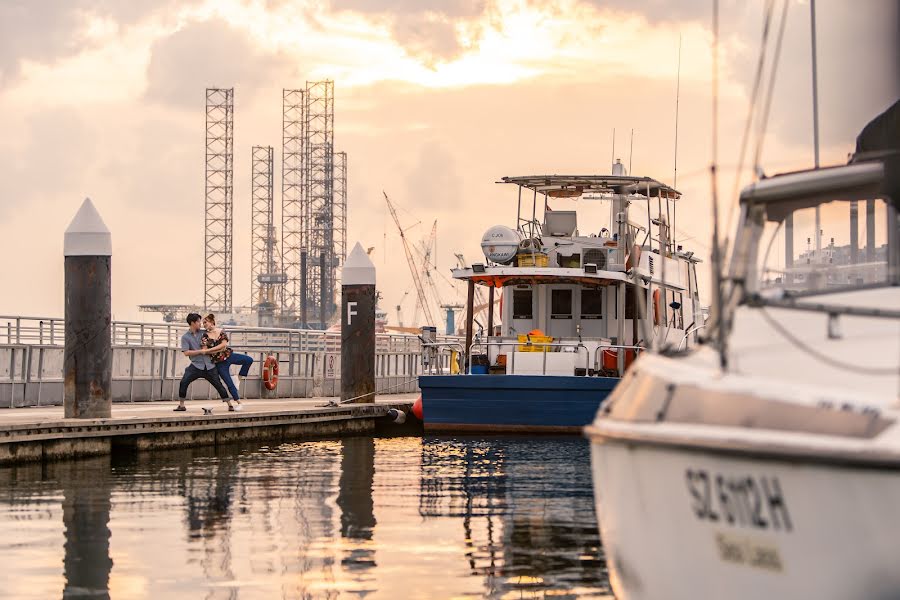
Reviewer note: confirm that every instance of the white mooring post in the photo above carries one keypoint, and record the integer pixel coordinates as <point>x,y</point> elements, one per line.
<point>358,301</point>
<point>87,365</point>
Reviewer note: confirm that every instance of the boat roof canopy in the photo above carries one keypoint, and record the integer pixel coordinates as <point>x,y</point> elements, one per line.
<point>785,193</point>
<point>573,186</point>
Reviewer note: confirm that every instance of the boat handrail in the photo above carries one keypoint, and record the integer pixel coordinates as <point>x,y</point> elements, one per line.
<point>689,331</point>
<point>637,350</point>
<point>488,343</point>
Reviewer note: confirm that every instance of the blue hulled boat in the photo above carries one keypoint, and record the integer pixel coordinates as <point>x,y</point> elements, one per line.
<point>577,306</point>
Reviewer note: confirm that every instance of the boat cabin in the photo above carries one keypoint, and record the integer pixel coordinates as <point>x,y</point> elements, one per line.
<point>582,298</point>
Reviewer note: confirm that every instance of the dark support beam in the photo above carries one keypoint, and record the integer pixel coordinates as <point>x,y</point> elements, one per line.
<point>870,230</point>
<point>490,330</point>
<point>324,301</point>
<point>470,318</point>
<point>303,316</point>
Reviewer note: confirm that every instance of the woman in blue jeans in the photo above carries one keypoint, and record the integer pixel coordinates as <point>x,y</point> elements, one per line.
<point>216,340</point>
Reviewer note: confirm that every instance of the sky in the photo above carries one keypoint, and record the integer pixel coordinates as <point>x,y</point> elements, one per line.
<point>434,102</point>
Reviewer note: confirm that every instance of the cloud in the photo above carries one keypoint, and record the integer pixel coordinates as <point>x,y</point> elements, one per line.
<point>426,30</point>
<point>47,30</point>
<point>450,8</point>
<point>209,54</point>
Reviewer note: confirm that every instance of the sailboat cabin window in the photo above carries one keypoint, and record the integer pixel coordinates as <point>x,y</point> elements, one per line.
<point>591,304</point>
<point>561,304</point>
<point>522,305</point>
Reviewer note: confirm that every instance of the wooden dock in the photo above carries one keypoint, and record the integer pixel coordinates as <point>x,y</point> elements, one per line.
<point>42,434</point>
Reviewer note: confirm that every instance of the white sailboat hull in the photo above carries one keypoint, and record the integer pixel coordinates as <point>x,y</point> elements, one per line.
<point>691,524</point>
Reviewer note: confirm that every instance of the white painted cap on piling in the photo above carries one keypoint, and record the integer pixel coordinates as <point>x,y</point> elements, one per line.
<point>87,234</point>
<point>358,269</point>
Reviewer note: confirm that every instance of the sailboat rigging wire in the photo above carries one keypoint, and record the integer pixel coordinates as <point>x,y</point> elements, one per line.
<point>764,121</point>
<point>751,110</point>
<point>835,364</point>
<point>675,174</point>
<point>677,96</point>
<point>716,258</point>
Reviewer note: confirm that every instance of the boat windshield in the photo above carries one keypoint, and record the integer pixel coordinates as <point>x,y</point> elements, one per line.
<point>850,248</point>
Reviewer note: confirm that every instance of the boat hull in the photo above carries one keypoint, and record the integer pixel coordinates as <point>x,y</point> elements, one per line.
<point>511,403</point>
<point>688,523</point>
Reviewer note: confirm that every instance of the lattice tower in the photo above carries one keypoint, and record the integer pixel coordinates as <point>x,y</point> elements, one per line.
<point>219,195</point>
<point>340,207</point>
<point>319,198</point>
<point>292,195</point>
<point>263,242</point>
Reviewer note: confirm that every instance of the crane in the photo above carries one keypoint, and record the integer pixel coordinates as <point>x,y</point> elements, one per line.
<point>420,291</point>
<point>426,254</point>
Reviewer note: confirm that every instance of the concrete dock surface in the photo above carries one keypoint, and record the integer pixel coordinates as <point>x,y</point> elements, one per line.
<point>42,433</point>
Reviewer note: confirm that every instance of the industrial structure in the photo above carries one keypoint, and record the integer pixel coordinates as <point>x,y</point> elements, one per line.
<point>318,203</point>
<point>293,282</point>
<point>313,205</point>
<point>218,282</point>
<point>292,193</point>
<point>266,277</point>
<point>340,206</point>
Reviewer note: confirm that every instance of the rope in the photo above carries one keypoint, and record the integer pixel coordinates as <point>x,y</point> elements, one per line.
<point>349,400</point>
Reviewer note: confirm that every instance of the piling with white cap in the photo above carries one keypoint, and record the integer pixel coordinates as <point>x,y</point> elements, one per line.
<point>358,299</point>
<point>87,364</point>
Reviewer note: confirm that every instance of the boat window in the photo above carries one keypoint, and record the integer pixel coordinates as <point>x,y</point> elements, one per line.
<point>561,304</point>
<point>630,300</point>
<point>591,303</point>
<point>850,250</point>
<point>522,305</point>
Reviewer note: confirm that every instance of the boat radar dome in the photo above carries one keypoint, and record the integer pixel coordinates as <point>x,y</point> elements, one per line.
<point>500,244</point>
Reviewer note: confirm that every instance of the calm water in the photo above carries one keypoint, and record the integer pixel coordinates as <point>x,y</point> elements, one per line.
<point>359,517</point>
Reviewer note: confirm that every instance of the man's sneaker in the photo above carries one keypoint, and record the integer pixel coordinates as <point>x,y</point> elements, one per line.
<point>230,409</point>
<point>180,409</point>
<point>238,408</point>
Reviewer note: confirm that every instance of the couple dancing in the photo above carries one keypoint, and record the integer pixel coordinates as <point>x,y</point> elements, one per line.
<point>211,359</point>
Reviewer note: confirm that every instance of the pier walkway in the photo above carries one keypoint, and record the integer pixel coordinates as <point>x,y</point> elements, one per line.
<point>41,433</point>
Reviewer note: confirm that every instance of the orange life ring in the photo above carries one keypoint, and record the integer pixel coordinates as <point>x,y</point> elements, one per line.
<point>270,372</point>
<point>656,306</point>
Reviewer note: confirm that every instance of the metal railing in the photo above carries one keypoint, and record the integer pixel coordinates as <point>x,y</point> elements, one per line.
<point>51,331</point>
<point>32,375</point>
<point>564,346</point>
<point>148,363</point>
<point>598,364</point>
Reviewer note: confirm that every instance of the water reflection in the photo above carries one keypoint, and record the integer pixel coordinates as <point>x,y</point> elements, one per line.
<point>527,512</point>
<point>85,514</point>
<point>359,517</point>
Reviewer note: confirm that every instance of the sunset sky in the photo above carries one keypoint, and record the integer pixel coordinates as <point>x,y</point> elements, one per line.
<point>435,101</point>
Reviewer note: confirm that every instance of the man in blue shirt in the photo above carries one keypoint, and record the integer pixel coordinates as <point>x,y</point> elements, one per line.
<point>201,366</point>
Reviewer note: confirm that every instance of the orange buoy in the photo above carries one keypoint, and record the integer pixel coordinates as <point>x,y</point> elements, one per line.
<point>417,409</point>
<point>270,372</point>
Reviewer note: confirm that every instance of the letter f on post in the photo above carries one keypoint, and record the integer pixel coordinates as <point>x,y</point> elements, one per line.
<point>351,312</point>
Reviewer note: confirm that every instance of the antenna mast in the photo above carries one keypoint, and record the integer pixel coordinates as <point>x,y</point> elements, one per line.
<point>612,159</point>
<point>815,99</point>
<point>631,151</point>
<point>677,97</point>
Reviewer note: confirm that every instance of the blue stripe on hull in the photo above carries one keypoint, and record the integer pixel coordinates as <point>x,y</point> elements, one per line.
<point>511,402</point>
